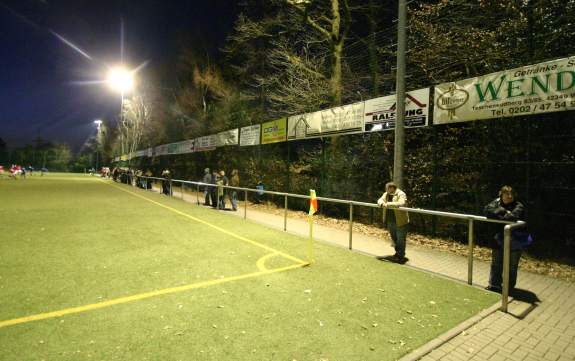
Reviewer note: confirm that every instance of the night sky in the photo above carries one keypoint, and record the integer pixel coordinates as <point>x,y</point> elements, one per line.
<point>40,76</point>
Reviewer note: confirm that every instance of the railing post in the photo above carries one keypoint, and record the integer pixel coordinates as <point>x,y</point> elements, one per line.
<point>285,211</point>
<point>506,254</point>
<point>351,226</point>
<point>470,237</point>
<point>171,192</point>
<point>198,194</point>
<point>182,190</point>
<point>245,204</point>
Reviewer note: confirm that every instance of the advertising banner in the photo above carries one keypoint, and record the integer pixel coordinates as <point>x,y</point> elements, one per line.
<point>141,153</point>
<point>161,149</point>
<point>345,119</point>
<point>228,137</point>
<point>250,135</point>
<point>173,148</point>
<point>205,143</point>
<point>380,113</point>
<point>532,89</point>
<point>274,131</point>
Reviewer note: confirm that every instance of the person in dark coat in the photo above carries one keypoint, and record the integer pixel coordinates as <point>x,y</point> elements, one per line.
<point>505,208</point>
<point>166,182</point>
<point>214,190</point>
<point>207,179</point>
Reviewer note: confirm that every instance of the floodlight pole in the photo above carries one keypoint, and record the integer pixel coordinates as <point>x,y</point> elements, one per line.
<point>399,143</point>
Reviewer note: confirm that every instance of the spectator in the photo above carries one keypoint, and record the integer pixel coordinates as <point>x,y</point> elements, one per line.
<point>222,181</point>
<point>505,208</point>
<point>148,181</point>
<point>234,182</point>
<point>260,192</point>
<point>207,180</point>
<point>395,220</point>
<point>166,189</point>
<point>214,189</point>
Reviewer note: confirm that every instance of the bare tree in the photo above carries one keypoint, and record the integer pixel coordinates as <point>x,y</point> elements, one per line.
<point>332,23</point>
<point>136,114</point>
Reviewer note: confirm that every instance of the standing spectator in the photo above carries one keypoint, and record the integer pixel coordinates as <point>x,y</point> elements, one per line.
<point>214,189</point>
<point>260,192</point>
<point>505,208</point>
<point>1,171</point>
<point>395,220</point>
<point>166,182</point>
<point>222,181</point>
<point>207,180</point>
<point>234,182</point>
<point>149,181</point>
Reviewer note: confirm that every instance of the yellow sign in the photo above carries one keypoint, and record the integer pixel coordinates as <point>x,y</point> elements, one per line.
<point>274,131</point>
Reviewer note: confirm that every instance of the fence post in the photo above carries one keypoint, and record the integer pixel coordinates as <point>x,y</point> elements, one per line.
<point>470,237</point>
<point>285,211</point>
<point>182,190</point>
<point>506,254</point>
<point>171,193</point>
<point>198,194</point>
<point>350,225</point>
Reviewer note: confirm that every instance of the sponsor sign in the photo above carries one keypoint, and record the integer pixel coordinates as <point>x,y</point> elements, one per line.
<point>141,153</point>
<point>161,149</point>
<point>205,143</point>
<point>228,137</point>
<point>380,113</point>
<point>274,131</point>
<point>345,119</point>
<point>185,146</point>
<point>250,135</point>
<point>532,89</point>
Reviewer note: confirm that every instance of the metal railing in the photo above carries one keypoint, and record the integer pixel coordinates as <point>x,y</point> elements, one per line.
<point>471,219</point>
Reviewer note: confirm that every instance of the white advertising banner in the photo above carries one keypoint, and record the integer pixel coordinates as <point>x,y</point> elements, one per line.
<point>205,143</point>
<point>540,88</point>
<point>161,149</point>
<point>141,153</point>
<point>228,137</point>
<point>345,119</point>
<point>380,113</point>
<point>250,135</point>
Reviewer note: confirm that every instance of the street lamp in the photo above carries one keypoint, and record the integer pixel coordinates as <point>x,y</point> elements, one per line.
<point>98,123</point>
<point>122,80</point>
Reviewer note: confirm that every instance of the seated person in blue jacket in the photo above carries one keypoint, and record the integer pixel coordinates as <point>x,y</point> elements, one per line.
<point>506,208</point>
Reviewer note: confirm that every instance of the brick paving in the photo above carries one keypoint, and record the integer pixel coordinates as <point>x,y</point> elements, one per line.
<point>540,331</point>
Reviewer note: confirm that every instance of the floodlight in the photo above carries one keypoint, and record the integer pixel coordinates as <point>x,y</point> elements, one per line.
<point>120,79</point>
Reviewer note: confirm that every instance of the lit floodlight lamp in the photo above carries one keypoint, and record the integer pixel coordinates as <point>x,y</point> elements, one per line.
<point>120,79</point>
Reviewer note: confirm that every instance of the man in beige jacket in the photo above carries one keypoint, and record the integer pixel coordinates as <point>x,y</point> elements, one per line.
<point>395,220</point>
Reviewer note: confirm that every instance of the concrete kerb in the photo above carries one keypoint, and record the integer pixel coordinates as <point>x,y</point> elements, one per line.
<point>420,352</point>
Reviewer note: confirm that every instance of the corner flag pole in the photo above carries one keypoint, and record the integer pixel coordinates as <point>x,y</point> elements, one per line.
<point>312,210</point>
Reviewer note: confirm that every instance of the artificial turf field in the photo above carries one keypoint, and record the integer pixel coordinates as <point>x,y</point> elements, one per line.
<point>95,270</point>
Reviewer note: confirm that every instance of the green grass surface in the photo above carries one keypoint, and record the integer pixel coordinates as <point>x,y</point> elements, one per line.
<point>74,240</point>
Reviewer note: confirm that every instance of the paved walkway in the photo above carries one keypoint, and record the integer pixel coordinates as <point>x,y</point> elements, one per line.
<point>541,330</point>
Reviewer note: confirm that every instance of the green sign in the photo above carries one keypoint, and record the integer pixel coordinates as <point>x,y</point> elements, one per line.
<point>274,131</point>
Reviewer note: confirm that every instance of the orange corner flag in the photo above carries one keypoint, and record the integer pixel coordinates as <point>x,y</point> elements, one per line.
<point>312,202</point>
